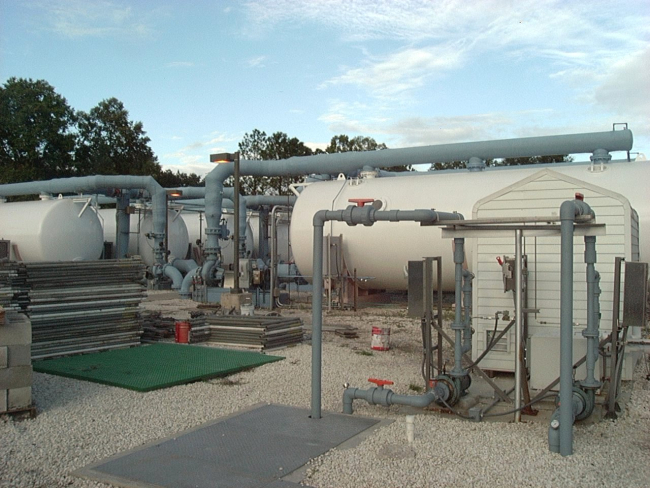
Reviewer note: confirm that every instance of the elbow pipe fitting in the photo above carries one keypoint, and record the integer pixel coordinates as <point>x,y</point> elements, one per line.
<point>174,274</point>
<point>185,292</point>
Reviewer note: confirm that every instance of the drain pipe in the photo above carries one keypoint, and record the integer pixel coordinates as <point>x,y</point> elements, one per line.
<point>352,215</point>
<point>468,276</point>
<point>381,396</point>
<point>94,183</point>
<point>569,210</point>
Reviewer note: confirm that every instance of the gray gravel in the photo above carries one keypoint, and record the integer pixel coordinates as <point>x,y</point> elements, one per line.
<point>79,423</point>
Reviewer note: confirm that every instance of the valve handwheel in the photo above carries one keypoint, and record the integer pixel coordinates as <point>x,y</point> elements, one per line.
<point>379,382</point>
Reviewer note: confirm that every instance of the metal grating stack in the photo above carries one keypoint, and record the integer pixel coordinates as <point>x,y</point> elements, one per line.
<point>84,306</point>
<point>254,332</point>
<point>13,286</point>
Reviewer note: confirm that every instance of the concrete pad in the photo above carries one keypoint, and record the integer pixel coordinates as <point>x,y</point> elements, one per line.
<point>18,398</point>
<point>17,377</point>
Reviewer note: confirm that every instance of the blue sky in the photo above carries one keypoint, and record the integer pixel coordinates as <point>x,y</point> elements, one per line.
<point>200,74</point>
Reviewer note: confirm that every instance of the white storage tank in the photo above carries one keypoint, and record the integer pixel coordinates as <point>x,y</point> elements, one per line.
<point>381,252</point>
<point>52,230</point>
<point>141,223</point>
<point>195,223</point>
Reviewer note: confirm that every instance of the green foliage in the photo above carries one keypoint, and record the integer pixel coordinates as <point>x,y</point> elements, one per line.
<point>169,179</point>
<point>258,146</point>
<point>343,143</point>
<point>37,138</point>
<point>109,143</point>
<point>41,137</point>
<point>416,388</point>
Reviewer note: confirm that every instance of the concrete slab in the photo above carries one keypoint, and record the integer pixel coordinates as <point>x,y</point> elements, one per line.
<point>257,448</point>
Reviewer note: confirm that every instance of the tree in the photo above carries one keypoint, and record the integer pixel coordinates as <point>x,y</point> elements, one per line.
<point>37,138</point>
<point>343,143</point>
<point>258,146</point>
<point>169,179</point>
<point>109,143</point>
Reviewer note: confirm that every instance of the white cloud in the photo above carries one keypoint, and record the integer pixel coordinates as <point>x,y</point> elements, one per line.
<point>195,157</point>
<point>99,18</point>
<point>257,62</point>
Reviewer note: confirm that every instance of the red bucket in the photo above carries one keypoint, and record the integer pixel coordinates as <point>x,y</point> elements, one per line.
<point>182,332</point>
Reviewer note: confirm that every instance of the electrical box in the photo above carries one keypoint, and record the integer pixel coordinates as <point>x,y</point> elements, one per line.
<point>416,289</point>
<point>635,295</point>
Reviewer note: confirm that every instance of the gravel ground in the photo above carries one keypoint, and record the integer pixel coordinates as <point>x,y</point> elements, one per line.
<point>79,422</point>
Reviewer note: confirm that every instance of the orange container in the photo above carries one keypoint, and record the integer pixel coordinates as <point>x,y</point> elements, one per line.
<point>182,332</point>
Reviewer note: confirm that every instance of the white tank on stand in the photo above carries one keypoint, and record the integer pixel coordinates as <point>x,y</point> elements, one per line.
<point>52,230</point>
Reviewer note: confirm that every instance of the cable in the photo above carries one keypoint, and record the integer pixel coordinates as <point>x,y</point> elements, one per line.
<point>454,411</point>
<point>515,410</point>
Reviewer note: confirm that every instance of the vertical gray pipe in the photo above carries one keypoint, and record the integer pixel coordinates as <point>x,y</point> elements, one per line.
<point>458,326</point>
<point>237,217</point>
<point>468,277</point>
<point>591,332</point>
<point>568,212</point>
<point>567,216</point>
<point>428,303</point>
<point>518,322</point>
<point>122,226</point>
<point>317,316</point>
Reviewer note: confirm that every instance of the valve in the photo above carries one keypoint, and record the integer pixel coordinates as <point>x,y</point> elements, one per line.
<point>380,383</point>
<point>361,201</point>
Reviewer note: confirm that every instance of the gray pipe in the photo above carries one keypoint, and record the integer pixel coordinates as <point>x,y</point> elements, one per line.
<point>569,210</point>
<point>175,275</point>
<point>184,265</point>
<point>382,396</point>
<point>94,183</point>
<point>458,326</point>
<point>352,161</point>
<point>352,215</point>
<point>468,276</point>
<point>591,332</point>
<point>184,291</point>
<point>122,226</point>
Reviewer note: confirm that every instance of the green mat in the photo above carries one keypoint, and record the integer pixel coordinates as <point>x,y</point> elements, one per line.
<point>153,366</point>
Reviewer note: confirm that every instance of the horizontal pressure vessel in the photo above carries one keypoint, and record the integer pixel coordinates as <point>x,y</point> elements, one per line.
<point>141,223</point>
<point>380,253</point>
<point>52,230</point>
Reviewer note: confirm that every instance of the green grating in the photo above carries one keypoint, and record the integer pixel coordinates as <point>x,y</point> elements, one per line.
<point>153,366</point>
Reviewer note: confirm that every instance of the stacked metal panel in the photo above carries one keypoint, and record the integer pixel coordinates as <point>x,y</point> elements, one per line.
<point>84,306</point>
<point>255,332</point>
<point>13,286</point>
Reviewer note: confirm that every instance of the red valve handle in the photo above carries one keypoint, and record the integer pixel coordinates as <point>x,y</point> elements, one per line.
<point>499,260</point>
<point>361,201</point>
<point>380,382</point>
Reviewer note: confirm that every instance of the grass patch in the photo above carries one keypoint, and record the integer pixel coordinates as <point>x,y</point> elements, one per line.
<point>364,353</point>
<point>416,388</point>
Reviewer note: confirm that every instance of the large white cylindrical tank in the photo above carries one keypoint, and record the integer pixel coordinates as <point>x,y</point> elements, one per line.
<point>52,230</point>
<point>195,223</point>
<point>380,253</point>
<point>141,224</point>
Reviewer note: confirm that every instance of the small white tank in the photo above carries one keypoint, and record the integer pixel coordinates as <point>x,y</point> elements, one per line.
<point>141,224</point>
<point>52,230</point>
<point>196,225</point>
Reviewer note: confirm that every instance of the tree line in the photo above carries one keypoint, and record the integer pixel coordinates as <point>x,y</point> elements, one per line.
<point>42,137</point>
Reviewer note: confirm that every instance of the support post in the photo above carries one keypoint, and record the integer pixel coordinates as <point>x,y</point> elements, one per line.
<point>518,321</point>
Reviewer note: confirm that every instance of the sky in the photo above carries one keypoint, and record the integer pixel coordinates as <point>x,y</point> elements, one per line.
<point>201,74</point>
